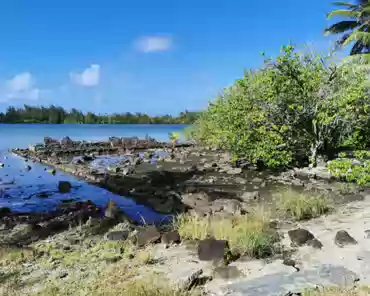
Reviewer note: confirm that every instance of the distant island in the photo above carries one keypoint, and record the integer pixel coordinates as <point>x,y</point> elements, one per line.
<point>58,115</point>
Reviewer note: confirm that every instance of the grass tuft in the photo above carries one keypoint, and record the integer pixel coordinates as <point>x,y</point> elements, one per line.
<point>247,235</point>
<point>302,206</point>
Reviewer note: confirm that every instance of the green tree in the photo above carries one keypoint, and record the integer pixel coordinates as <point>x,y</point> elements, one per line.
<point>298,105</point>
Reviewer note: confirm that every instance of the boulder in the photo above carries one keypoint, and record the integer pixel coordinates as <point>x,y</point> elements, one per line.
<point>118,235</point>
<point>66,141</point>
<point>171,237</point>
<point>343,238</point>
<point>49,140</point>
<point>185,277</point>
<point>234,171</point>
<point>148,235</point>
<point>314,243</point>
<point>300,236</point>
<point>247,196</point>
<point>64,187</point>
<point>213,250</point>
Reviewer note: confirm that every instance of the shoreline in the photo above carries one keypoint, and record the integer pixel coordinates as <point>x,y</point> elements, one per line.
<point>196,185</point>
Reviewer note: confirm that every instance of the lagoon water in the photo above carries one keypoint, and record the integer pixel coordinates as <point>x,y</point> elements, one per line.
<point>20,189</point>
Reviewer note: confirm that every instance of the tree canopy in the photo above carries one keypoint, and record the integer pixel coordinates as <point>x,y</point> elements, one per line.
<point>58,115</point>
<point>292,109</point>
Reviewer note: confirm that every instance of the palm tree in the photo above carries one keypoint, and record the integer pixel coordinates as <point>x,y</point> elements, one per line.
<point>355,29</point>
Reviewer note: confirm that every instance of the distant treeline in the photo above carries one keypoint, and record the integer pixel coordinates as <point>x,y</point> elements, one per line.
<point>58,115</point>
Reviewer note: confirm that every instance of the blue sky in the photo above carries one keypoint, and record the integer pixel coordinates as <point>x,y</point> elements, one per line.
<point>157,57</point>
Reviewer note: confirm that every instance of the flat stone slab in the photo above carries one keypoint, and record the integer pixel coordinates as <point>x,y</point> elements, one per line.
<point>280,284</point>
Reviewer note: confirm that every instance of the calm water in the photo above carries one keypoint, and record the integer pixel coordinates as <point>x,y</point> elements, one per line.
<point>20,189</point>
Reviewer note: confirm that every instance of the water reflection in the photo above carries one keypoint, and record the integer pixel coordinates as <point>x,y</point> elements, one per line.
<point>36,190</point>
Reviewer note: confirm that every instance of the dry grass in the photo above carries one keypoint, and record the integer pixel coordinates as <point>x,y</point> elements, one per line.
<point>302,206</point>
<point>95,267</point>
<point>15,256</point>
<point>247,235</point>
<point>118,280</point>
<point>361,291</point>
<point>144,257</point>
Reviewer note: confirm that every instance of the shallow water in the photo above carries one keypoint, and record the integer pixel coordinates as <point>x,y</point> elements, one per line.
<point>36,190</point>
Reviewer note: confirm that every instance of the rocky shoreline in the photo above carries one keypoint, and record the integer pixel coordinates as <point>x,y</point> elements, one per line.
<point>214,198</point>
<point>170,179</point>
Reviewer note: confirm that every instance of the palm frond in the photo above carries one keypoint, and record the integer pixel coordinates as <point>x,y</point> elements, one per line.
<point>341,27</point>
<point>365,10</point>
<point>357,48</point>
<point>344,4</point>
<point>344,13</point>
<point>363,37</point>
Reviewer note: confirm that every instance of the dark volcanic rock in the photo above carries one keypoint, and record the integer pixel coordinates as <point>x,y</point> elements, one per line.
<point>343,238</point>
<point>64,187</point>
<point>290,262</point>
<point>56,226</point>
<point>4,211</point>
<point>118,235</point>
<point>300,236</point>
<point>148,235</point>
<point>213,250</point>
<point>66,141</point>
<point>171,237</point>
<point>49,140</point>
<point>314,243</point>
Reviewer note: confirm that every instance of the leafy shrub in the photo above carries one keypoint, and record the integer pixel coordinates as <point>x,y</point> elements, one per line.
<point>346,170</point>
<point>362,155</point>
<point>296,106</point>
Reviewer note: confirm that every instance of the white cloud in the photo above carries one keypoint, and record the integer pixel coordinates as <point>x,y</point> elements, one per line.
<point>20,82</point>
<point>21,86</point>
<point>88,78</point>
<point>154,44</point>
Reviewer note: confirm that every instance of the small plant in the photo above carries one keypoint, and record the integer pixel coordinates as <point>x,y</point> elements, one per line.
<point>302,206</point>
<point>342,155</point>
<point>174,137</point>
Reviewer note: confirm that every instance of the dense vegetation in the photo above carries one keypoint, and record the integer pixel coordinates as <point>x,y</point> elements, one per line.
<point>293,109</point>
<point>58,115</point>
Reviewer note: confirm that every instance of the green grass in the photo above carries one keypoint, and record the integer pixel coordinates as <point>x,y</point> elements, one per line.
<point>247,235</point>
<point>302,206</point>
